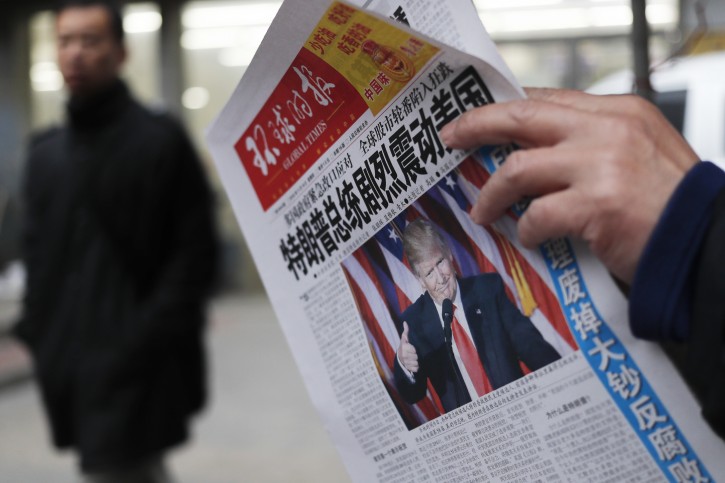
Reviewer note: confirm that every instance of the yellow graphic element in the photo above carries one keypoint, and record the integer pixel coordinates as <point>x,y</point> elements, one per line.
<point>378,59</point>
<point>712,41</point>
<point>394,63</point>
<point>378,367</point>
<point>528,304</point>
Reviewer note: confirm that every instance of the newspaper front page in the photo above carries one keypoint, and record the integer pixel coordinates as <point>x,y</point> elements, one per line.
<point>526,369</point>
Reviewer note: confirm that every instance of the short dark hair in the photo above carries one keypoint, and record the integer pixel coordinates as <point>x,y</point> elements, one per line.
<point>111,6</point>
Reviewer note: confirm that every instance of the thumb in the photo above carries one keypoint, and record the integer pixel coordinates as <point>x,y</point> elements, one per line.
<point>404,335</point>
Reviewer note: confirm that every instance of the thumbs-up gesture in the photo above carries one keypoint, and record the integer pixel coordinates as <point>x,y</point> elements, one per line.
<point>406,352</point>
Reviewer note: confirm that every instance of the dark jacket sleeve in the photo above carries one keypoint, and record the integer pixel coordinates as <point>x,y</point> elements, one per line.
<point>412,392</point>
<point>37,251</point>
<point>678,294</point>
<point>530,346</point>
<point>660,302</point>
<point>705,361</point>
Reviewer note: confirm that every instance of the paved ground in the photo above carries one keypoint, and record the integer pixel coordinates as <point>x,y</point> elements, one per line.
<point>259,427</point>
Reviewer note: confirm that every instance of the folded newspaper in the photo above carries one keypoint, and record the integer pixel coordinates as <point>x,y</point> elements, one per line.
<point>434,349</point>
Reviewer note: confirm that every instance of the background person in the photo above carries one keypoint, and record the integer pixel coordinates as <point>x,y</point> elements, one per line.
<point>612,171</point>
<point>120,249</point>
<point>467,349</point>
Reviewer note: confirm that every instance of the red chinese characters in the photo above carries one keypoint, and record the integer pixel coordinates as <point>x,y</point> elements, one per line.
<point>296,125</point>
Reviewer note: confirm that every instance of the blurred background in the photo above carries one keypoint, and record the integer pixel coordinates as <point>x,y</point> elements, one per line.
<point>187,57</point>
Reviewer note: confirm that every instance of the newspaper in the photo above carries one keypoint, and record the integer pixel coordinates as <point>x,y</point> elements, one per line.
<point>328,150</point>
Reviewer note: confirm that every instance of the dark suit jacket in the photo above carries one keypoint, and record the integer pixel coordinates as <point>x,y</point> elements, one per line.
<point>502,335</point>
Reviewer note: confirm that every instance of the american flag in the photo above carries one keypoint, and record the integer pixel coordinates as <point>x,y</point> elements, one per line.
<point>383,284</point>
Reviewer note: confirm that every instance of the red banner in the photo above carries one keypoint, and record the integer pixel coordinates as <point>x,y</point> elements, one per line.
<point>310,109</point>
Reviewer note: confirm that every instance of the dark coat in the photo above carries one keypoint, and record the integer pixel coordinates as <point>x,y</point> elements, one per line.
<point>703,359</point>
<point>502,336</point>
<point>120,248</point>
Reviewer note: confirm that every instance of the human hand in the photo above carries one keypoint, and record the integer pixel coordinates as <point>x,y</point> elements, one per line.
<point>406,351</point>
<point>601,168</point>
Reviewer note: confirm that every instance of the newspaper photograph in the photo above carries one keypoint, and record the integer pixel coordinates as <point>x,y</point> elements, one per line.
<point>434,348</point>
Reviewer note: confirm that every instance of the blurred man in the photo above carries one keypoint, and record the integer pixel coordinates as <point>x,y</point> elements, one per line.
<point>120,249</point>
<point>462,334</point>
<point>612,171</point>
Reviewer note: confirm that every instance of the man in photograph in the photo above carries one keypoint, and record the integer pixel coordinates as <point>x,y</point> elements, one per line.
<point>463,334</point>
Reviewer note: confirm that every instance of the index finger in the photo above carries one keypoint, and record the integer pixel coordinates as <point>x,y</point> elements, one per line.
<point>527,122</point>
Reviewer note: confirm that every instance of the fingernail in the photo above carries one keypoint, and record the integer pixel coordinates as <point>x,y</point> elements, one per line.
<point>446,134</point>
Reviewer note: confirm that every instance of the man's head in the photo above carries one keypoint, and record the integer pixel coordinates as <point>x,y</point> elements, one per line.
<point>91,49</point>
<point>431,259</point>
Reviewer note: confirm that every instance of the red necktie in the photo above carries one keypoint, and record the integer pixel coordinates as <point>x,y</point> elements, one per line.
<point>470,358</point>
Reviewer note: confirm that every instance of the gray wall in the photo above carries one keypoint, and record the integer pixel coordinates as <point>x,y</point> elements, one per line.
<point>715,13</point>
<point>14,123</point>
